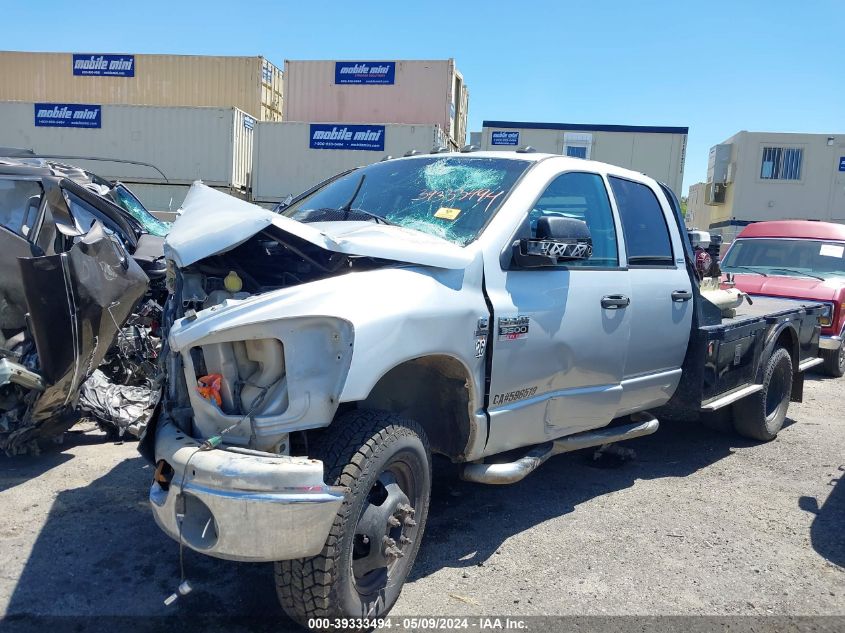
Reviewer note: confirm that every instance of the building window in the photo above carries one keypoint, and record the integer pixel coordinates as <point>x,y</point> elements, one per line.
<point>577,144</point>
<point>781,163</point>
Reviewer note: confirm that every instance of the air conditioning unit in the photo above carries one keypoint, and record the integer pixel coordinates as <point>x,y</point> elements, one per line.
<point>715,193</point>
<point>717,163</point>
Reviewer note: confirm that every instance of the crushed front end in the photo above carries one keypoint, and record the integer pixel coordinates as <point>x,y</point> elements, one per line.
<point>246,376</point>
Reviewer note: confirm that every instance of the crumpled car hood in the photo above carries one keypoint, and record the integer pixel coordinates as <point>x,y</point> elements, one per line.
<point>213,222</point>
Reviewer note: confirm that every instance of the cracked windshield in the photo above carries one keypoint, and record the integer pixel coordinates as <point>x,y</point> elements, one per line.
<point>450,197</point>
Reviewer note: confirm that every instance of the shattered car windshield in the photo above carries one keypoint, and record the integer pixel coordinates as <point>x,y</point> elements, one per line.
<point>129,203</point>
<point>452,197</point>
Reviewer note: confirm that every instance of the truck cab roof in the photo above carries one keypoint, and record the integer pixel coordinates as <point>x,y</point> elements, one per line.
<point>796,229</point>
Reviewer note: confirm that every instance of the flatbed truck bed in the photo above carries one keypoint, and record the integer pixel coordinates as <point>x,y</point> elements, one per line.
<point>727,355</point>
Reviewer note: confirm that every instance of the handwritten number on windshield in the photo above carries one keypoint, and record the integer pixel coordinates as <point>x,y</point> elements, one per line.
<point>476,196</point>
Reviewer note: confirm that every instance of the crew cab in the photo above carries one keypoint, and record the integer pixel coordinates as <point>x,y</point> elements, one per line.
<point>798,259</point>
<point>495,308</point>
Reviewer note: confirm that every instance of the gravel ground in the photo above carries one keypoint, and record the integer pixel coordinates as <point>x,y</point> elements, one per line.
<point>700,523</point>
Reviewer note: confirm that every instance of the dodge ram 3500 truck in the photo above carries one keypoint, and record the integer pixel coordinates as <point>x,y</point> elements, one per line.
<point>465,304</point>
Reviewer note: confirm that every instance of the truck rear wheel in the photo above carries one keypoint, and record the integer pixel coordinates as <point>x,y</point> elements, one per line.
<point>384,462</point>
<point>834,361</point>
<point>761,415</point>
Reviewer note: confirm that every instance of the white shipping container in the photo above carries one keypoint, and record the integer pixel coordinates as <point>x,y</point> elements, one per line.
<point>163,201</point>
<point>186,143</point>
<point>286,164</point>
<point>427,92</point>
<point>160,199</point>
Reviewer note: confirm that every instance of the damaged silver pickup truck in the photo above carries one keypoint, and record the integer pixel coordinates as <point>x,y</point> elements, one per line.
<point>494,308</point>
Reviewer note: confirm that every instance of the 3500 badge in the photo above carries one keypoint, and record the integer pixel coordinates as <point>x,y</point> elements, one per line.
<point>513,328</point>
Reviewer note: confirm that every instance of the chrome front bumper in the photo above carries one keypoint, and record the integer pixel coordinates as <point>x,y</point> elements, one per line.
<point>242,507</point>
<point>830,342</point>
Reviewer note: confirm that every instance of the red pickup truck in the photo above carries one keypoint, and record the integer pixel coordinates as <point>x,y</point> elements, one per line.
<point>796,259</point>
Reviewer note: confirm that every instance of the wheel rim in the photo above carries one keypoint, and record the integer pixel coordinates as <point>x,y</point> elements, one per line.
<point>778,391</point>
<point>841,357</point>
<point>386,528</point>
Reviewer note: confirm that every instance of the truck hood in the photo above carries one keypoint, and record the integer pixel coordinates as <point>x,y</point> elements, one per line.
<point>792,287</point>
<point>213,222</point>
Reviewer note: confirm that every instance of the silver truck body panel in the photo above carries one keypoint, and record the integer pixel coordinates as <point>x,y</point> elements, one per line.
<point>562,377</point>
<point>394,314</point>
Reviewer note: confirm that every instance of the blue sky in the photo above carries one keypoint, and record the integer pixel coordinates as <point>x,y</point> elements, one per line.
<point>717,67</point>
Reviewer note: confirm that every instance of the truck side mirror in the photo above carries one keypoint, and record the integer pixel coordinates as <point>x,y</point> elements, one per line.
<point>558,240</point>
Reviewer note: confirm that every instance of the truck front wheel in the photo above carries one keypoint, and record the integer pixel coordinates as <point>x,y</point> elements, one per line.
<point>384,462</point>
<point>834,361</point>
<point>761,415</point>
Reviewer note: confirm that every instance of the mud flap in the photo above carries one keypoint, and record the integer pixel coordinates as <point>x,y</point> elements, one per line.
<point>77,301</point>
<point>797,387</point>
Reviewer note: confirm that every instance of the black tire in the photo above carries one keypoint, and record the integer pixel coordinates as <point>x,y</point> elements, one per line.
<point>384,462</point>
<point>761,415</point>
<point>834,361</point>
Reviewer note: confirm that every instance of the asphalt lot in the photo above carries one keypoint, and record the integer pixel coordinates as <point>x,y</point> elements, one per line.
<point>700,523</point>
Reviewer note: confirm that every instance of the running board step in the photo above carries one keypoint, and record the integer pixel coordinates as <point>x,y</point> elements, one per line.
<point>645,424</point>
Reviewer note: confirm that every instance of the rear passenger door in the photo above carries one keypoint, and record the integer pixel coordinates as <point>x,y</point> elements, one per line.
<point>661,306</point>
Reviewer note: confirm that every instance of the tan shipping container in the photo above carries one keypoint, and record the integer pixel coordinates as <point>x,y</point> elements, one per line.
<point>251,84</point>
<point>422,92</point>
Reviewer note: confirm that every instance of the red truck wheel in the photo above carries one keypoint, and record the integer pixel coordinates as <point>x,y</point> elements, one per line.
<point>761,415</point>
<point>834,361</point>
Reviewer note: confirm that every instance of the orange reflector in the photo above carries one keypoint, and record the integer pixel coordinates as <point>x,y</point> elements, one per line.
<point>163,473</point>
<point>209,387</point>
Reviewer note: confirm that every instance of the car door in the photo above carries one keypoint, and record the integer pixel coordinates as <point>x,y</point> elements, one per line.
<point>559,335</point>
<point>20,202</point>
<point>661,307</point>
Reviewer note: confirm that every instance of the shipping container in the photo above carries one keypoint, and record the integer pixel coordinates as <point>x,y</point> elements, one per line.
<point>291,157</point>
<point>412,92</point>
<point>183,144</point>
<point>163,201</point>
<point>656,151</point>
<point>251,84</point>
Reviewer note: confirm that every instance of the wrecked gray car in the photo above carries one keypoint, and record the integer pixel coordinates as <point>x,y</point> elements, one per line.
<point>75,305</point>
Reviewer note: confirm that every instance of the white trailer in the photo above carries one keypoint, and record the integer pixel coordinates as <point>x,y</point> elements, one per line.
<point>184,143</point>
<point>290,157</point>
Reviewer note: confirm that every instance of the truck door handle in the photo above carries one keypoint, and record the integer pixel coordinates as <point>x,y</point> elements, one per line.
<point>614,302</point>
<point>681,295</point>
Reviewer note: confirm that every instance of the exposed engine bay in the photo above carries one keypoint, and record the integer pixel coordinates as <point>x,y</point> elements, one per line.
<point>238,386</point>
